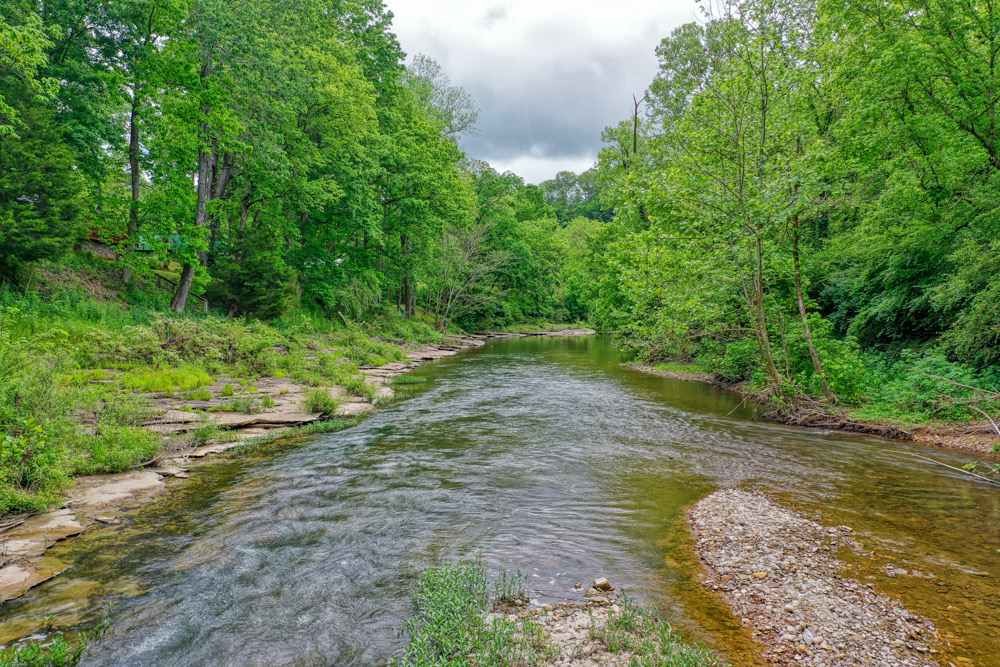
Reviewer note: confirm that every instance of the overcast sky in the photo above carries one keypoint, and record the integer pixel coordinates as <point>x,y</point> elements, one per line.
<point>548,75</point>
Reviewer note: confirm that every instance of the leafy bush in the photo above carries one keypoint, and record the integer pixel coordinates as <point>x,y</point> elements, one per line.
<point>321,402</point>
<point>734,361</point>
<point>923,387</point>
<point>115,449</point>
<point>845,367</point>
<point>58,652</point>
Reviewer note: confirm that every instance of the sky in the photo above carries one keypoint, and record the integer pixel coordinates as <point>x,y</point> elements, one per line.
<point>548,75</point>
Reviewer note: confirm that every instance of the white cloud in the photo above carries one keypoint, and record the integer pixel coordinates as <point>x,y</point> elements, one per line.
<point>537,169</point>
<point>548,75</point>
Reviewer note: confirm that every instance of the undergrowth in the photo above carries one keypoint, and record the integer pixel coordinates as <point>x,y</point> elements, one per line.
<point>449,626</point>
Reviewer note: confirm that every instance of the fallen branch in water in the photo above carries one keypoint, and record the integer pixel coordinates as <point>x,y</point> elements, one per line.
<point>959,470</point>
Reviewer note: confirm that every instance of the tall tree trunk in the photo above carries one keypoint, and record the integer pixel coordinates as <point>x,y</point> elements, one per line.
<point>806,329</point>
<point>760,315</point>
<point>408,296</point>
<point>205,160</point>
<point>136,177</point>
<point>222,171</point>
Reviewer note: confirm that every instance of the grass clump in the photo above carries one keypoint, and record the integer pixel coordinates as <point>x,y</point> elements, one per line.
<point>203,394</point>
<point>449,625</point>
<point>57,652</point>
<point>320,402</point>
<point>167,380</point>
<point>649,640</point>
<point>115,449</point>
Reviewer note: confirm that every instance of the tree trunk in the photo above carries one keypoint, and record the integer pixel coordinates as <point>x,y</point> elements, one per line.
<point>760,316</point>
<point>806,329</point>
<point>408,296</point>
<point>180,299</point>
<point>135,175</point>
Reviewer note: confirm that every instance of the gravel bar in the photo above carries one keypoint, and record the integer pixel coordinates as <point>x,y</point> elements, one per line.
<point>780,575</point>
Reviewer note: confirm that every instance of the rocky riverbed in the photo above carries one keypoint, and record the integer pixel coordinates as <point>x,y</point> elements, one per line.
<point>780,574</point>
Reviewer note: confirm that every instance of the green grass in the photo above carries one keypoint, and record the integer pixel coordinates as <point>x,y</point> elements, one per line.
<point>116,449</point>
<point>449,626</point>
<point>650,640</point>
<point>64,355</point>
<point>203,394</point>
<point>680,367</point>
<point>321,402</point>
<point>56,652</point>
<point>167,380</point>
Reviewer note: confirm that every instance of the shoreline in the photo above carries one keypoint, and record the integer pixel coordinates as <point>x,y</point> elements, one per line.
<point>100,501</point>
<point>972,437</point>
<point>780,576</point>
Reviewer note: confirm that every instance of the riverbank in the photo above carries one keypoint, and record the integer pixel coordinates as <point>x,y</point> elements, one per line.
<point>461,617</point>
<point>779,573</point>
<point>976,437</point>
<point>196,428</point>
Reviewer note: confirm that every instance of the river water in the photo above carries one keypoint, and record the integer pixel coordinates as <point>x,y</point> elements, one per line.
<point>539,455</point>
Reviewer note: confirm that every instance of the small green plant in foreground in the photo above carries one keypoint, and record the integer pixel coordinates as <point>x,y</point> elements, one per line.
<point>59,652</point>
<point>650,640</point>
<point>450,627</point>
<point>321,402</point>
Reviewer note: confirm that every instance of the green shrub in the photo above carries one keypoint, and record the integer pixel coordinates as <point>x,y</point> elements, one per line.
<point>921,387</point>
<point>115,449</point>
<point>735,361</point>
<point>321,402</point>
<point>203,394</point>
<point>57,652</point>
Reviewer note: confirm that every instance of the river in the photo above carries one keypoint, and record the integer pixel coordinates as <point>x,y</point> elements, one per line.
<point>539,455</point>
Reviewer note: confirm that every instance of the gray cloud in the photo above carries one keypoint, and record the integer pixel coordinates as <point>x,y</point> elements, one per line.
<point>548,75</point>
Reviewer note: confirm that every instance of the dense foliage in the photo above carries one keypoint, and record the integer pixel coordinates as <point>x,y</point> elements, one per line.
<point>261,156</point>
<point>809,202</point>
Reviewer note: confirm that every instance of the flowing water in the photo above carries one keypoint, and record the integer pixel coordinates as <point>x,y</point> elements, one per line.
<point>539,455</point>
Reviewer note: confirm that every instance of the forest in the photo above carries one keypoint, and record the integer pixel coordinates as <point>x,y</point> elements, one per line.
<point>806,198</point>
<point>261,156</point>
<point>803,201</point>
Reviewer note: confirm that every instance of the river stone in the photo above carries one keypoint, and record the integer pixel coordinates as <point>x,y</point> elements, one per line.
<point>602,584</point>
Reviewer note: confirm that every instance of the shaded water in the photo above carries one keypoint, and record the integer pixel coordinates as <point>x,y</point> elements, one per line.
<point>541,455</point>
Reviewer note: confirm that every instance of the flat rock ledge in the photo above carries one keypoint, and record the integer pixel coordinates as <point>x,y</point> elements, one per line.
<point>780,575</point>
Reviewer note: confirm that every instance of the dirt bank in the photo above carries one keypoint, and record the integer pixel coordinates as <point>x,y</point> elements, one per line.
<point>102,501</point>
<point>976,437</point>
<point>780,575</point>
